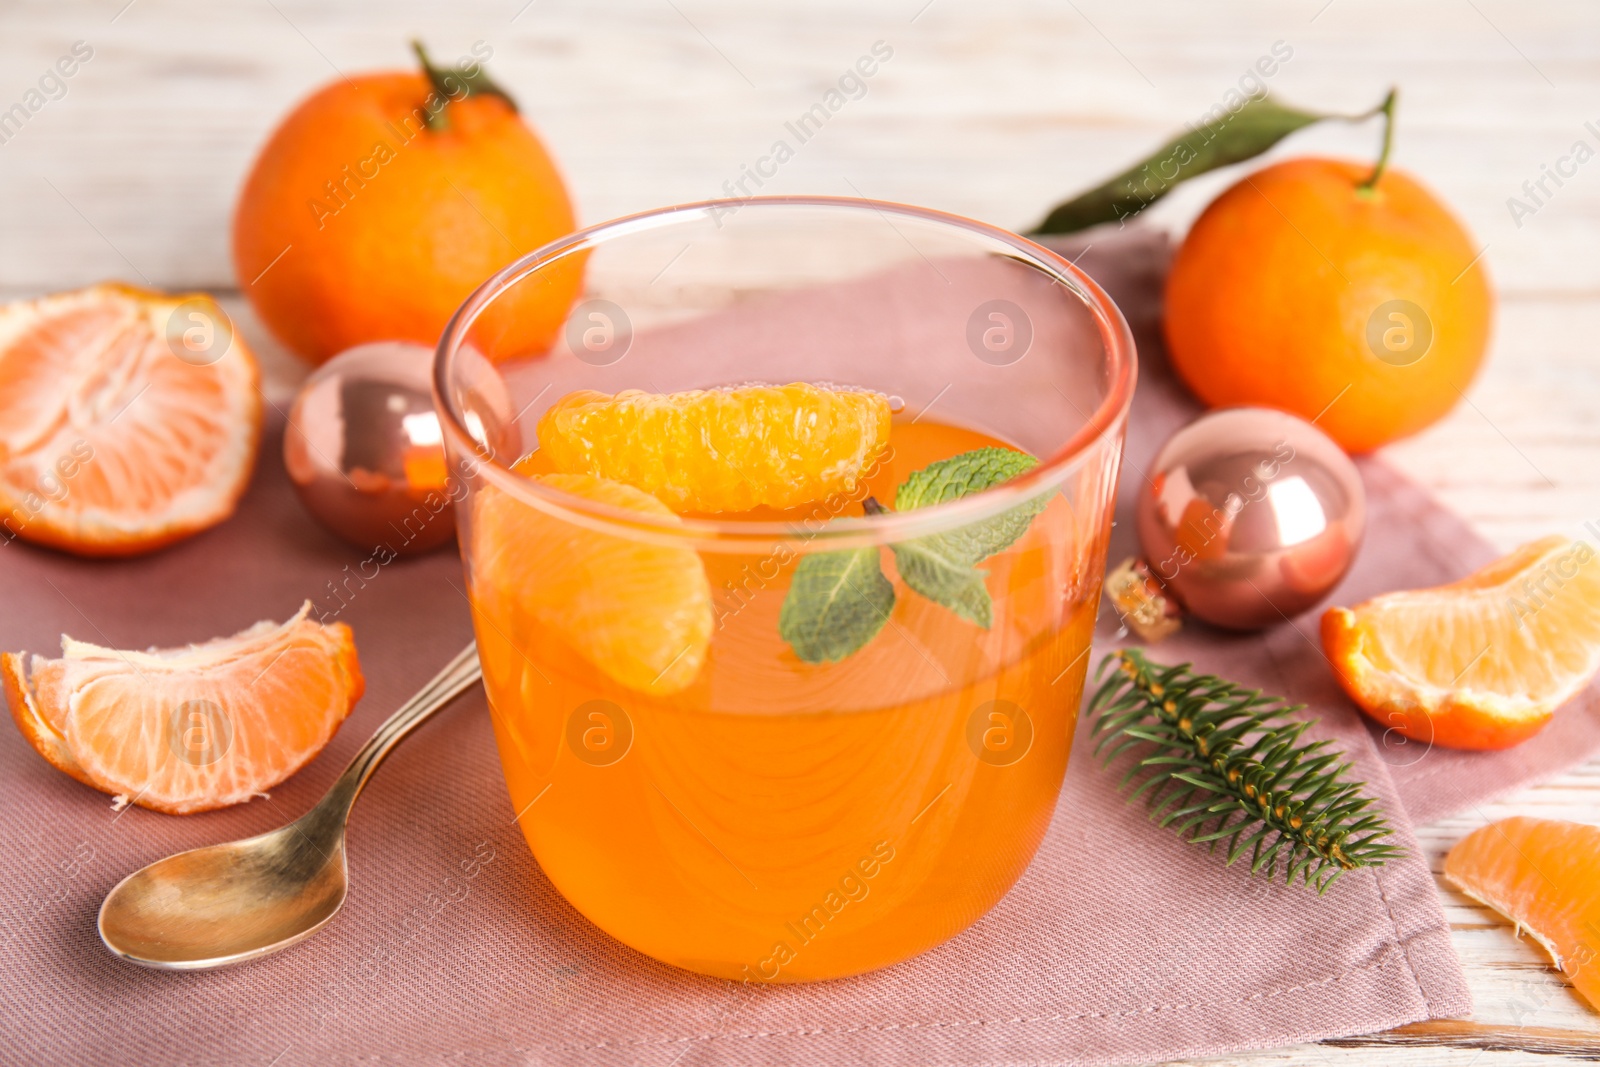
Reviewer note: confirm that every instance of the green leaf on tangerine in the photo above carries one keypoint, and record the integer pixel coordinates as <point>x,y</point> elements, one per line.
<point>1230,138</point>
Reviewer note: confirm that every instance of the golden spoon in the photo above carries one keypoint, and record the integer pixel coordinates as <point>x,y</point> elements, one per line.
<point>223,904</point>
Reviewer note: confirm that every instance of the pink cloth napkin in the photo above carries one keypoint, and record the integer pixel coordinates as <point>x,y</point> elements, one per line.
<point>1119,945</point>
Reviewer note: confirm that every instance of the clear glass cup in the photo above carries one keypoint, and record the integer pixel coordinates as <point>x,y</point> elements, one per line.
<point>745,813</point>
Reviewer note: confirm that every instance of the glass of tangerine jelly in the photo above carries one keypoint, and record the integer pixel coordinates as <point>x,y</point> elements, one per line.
<point>749,809</point>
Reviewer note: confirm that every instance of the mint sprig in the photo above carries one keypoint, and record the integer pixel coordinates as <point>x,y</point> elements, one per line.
<point>839,601</point>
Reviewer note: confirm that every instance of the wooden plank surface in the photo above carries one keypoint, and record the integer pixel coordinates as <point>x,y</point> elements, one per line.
<point>992,109</point>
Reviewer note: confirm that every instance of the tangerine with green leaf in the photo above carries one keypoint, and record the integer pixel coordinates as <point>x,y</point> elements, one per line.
<point>1338,291</point>
<point>384,199</point>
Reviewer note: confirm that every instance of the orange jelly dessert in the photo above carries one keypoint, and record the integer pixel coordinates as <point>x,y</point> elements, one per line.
<point>721,794</point>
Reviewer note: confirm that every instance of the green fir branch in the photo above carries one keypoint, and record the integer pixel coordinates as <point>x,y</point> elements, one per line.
<point>1224,765</point>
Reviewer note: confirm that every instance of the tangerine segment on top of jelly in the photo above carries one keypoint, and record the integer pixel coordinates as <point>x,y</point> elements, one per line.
<point>721,450</point>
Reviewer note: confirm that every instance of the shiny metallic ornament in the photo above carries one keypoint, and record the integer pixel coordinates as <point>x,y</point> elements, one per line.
<point>364,450</point>
<point>1250,516</point>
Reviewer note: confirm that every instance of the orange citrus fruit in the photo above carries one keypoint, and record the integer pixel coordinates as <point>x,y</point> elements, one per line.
<point>188,729</point>
<point>1481,663</point>
<point>638,610</point>
<point>384,199</point>
<point>721,450</point>
<point>1365,309</point>
<point>128,418</point>
<point>1541,874</point>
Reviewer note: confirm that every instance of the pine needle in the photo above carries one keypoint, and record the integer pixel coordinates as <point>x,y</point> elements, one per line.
<point>1226,766</point>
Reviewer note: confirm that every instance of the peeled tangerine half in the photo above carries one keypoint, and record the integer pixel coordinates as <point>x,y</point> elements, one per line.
<point>128,419</point>
<point>183,730</point>
<point>1541,874</point>
<point>1482,663</point>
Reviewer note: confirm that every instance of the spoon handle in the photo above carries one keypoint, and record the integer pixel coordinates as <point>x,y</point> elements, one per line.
<point>458,676</point>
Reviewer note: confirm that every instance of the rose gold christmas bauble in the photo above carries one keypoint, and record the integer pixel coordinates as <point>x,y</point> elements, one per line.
<point>364,450</point>
<point>1250,516</point>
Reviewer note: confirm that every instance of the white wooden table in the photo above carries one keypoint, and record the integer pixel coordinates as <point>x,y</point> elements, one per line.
<point>993,109</point>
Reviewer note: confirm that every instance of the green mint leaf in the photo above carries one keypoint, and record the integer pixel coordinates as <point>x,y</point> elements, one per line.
<point>927,566</point>
<point>1232,137</point>
<point>837,602</point>
<point>943,567</point>
<point>970,472</point>
<point>980,540</point>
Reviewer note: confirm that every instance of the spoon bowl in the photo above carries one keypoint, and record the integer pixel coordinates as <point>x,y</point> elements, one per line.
<point>224,904</point>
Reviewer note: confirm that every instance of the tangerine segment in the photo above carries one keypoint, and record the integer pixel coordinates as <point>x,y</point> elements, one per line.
<point>1481,663</point>
<point>128,419</point>
<point>638,610</point>
<point>1540,874</point>
<point>721,450</point>
<point>188,729</point>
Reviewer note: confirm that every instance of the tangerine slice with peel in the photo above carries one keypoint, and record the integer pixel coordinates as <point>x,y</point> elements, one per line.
<point>637,609</point>
<point>721,450</point>
<point>1540,874</point>
<point>128,419</point>
<point>1482,663</point>
<point>188,729</point>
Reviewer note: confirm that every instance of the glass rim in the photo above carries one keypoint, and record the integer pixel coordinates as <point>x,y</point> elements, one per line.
<point>837,531</point>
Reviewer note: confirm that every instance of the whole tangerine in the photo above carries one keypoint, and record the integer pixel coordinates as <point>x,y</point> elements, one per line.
<point>384,199</point>
<point>1313,288</point>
